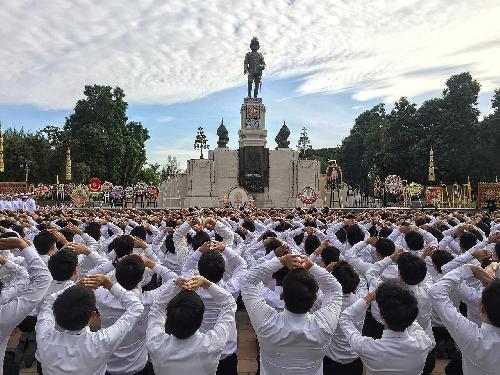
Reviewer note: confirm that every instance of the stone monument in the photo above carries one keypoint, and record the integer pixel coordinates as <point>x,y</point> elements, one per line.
<point>270,178</point>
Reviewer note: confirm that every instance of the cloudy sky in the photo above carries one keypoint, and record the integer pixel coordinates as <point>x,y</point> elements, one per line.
<point>180,61</point>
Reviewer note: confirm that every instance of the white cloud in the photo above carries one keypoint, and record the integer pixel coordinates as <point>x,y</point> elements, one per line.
<point>177,50</point>
<point>164,119</point>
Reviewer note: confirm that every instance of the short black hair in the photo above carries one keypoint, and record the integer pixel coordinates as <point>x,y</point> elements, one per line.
<point>436,233</point>
<point>299,291</point>
<point>491,302</point>
<point>330,254</point>
<point>248,225</point>
<point>184,314</point>
<point>385,247</point>
<point>341,235</point>
<point>199,239</point>
<point>497,249</point>
<point>212,266</point>
<point>298,238</point>
<point>385,232</point>
<point>272,244</point>
<point>467,240</point>
<point>346,276</point>
<point>440,258</point>
<point>311,243</point>
<point>412,268</point>
<point>63,264</point>
<point>44,241</point>
<point>398,306</point>
<point>129,271</point>
<point>354,234</point>
<point>139,232</point>
<point>414,240</point>
<point>73,308</point>
<point>93,229</point>
<point>123,245</point>
<point>268,233</point>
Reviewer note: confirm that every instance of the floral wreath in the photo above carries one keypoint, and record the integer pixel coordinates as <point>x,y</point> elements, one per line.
<point>117,192</point>
<point>79,195</point>
<point>393,184</point>
<point>415,189</point>
<point>95,185</point>
<point>378,189</point>
<point>433,195</point>
<point>152,192</point>
<point>308,195</point>
<point>107,187</point>
<point>140,188</point>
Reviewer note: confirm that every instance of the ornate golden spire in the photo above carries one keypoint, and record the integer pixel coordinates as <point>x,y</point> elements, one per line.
<point>68,165</point>
<point>432,175</point>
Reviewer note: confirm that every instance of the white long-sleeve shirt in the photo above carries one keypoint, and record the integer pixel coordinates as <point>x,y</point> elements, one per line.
<point>83,352</point>
<point>198,354</point>
<point>131,355</point>
<point>402,353</point>
<point>480,345</point>
<point>13,312</point>
<point>291,343</point>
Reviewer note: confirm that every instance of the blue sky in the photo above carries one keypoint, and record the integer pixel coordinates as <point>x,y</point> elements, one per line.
<point>180,62</point>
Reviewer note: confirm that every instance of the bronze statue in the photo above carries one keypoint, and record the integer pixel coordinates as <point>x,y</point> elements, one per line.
<point>254,65</point>
<point>282,137</point>
<point>223,135</point>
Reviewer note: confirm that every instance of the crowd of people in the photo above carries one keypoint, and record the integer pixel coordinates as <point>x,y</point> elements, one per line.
<point>17,202</point>
<point>326,291</point>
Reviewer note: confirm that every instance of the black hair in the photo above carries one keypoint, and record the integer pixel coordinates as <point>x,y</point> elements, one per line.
<point>385,232</point>
<point>440,258</point>
<point>169,243</point>
<point>248,225</point>
<point>436,233</point>
<point>272,244</point>
<point>346,276</point>
<point>93,229</point>
<point>299,291</point>
<point>62,265</point>
<point>341,235</point>
<point>414,240</point>
<point>311,243</point>
<point>123,245</point>
<point>467,240</point>
<point>212,266</point>
<point>412,268</point>
<point>139,232</point>
<point>398,306</point>
<point>484,227</point>
<point>354,234</point>
<point>491,302</point>
<point>373,231</point>
<point>497,249</point>
<point>184,314</point>
<point>280,275</point>
<point>73,307</point>
<point>267,234</point>
<point>9,234</point>
<point>129,271</point>
<point>44,241</point>
<point>330,254</point>
<point>299,238</point>
<point>199,239</point>
<point>385,247</point>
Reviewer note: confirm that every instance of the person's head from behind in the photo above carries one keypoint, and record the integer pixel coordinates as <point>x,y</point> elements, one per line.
<point>248,225</point>
<point>267,234</point>
<point>329,255</point>
<point>139,232</point>
<point>398,306</point>
<point>467,240</point>
<point>354,234</point>
<point>184,314</point>
<point>346,276</point>
<point>129,271</point>
<point>63,265</point>
<point>123,245</point>
<point>412,269</point>
<point>199,239</point>
<point>45,242</point>
<point>490,303</point>
<point>299,291</point>
<point>440,258</point>
<point>93,229</point>
<point>74,307</point>
<point>212,266</point>
<point>271,244</point>
<point>414,240</point>
<point>496,253</point>
<point>311,243</point>
<point>384,247</point>
<point>385,232</point>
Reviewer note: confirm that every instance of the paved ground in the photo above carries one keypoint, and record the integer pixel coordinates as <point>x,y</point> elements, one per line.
<point>247,348</point>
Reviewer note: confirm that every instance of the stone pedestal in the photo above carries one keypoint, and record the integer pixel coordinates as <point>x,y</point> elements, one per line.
<point>282,191</point>
<point>253,123</point>
<point>200,184</point>
<point>226,171</point>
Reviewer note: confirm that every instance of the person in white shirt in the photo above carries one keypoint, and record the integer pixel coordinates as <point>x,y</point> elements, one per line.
<point>174,342</point>
<point>224,267</point>
<point>479,345</point>
<point>131,356</point>
<point>404,345</point>
<point>18,307</point>
<point>293,341</point>
<point>340,358</point>
<point>66,344</point>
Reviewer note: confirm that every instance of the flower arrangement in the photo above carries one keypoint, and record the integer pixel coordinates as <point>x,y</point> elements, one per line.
<point>140,188</point>
<point>107,187</point>
<point>415,189</point>
<point>117,192</point>
<point>308,196</point>
<point>152,192</point>
<point>393,184</point>
<point>433,195</point>
<point>378,188</point>
<point>95,185</point>
<point>79,195</point>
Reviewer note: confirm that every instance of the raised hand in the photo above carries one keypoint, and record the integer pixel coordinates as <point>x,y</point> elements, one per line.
<point>95,281</point>
<point>396,254</point>
<point>291,261</point>
<point>198,281</point>
<point>11,243</point>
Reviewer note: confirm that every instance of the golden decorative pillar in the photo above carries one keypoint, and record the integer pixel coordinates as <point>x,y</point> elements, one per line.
<point>432,175</point>
<point>68,165</point>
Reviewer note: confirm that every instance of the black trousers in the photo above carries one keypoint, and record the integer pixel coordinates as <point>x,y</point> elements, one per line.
<point>430,362</point>
<point>371,327</point>
<point>147,370</point>
<point>330,367</point>
<point>228,365</point>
